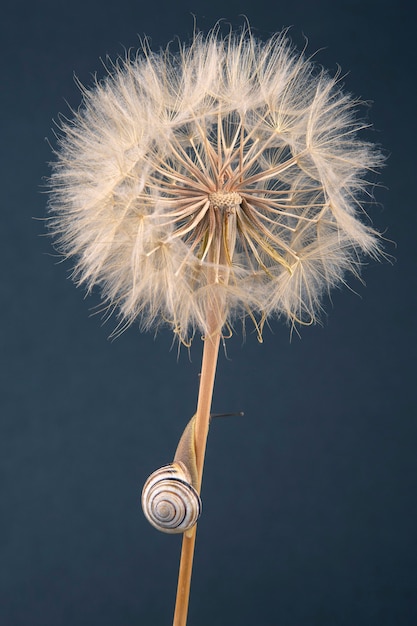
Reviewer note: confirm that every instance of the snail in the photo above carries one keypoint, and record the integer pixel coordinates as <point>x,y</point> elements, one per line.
<point>170,500</point>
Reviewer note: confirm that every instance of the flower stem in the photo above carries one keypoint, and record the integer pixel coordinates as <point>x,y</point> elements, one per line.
<point>208,372</point>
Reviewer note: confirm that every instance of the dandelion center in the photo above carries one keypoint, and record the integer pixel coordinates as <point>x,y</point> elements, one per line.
<point>224,200</point>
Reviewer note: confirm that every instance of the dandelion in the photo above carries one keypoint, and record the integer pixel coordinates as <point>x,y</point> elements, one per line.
<point>221,181</point>
<point>229,174</point>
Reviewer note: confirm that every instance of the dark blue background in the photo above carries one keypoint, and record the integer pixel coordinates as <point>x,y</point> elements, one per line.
<point>310,510</point>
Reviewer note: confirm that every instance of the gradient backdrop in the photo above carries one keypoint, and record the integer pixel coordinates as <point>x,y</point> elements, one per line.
<point>310,509</point>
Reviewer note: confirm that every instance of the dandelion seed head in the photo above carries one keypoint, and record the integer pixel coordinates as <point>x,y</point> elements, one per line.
<point>227,176</point>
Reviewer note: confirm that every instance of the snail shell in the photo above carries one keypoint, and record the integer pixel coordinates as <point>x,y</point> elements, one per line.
<point>169,501</point>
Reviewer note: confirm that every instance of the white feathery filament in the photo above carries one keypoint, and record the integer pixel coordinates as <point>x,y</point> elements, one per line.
<point>229,174</point>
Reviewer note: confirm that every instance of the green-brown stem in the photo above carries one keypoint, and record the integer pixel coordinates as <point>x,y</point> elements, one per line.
<point>222,238</point>
<point>208,371</point>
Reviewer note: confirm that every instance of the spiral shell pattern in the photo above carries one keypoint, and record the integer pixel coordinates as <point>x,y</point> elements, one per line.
<point>169,501</point>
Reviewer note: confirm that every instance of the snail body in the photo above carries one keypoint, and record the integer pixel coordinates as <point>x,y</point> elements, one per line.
<point>169,500</point>
<point>170,496</point>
